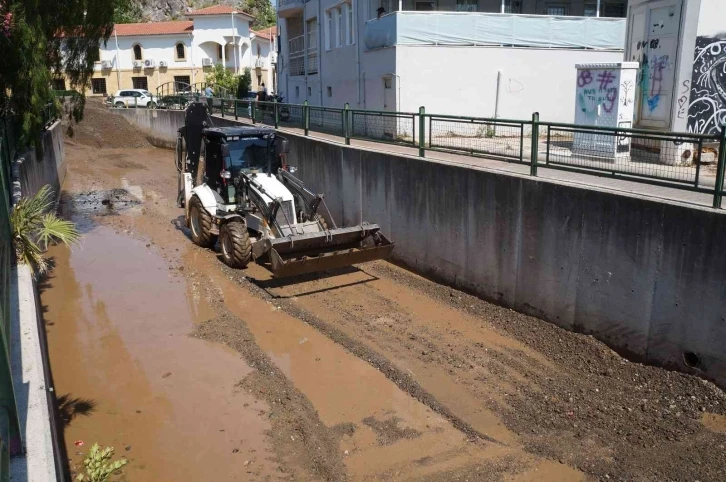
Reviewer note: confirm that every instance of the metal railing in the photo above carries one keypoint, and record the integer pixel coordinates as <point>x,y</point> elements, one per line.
<point>382,126</point>
<point>687,161</point>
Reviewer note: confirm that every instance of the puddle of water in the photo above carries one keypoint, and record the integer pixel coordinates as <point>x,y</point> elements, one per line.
<point>548,470</point>
<point>118,323</point>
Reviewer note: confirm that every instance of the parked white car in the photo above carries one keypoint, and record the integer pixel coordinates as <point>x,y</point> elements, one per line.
<point>133,98</point>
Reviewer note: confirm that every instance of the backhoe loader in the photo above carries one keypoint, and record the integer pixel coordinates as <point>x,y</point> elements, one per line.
<point>236,189</point>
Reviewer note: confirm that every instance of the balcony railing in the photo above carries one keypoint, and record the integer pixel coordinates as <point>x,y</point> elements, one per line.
<point>299,62</point>
<point>486,29</point>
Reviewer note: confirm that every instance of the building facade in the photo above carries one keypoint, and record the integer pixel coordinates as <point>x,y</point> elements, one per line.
<point>481,58</point>
<point>150,55</point>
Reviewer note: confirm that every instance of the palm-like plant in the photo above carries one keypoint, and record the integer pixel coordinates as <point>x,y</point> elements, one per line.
<point>34,226</point>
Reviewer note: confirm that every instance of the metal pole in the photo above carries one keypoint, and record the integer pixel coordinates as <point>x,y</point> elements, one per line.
<point>118,60</point>
<point>221,106</point>
<point>503,7</point>
<point>276,112</point>
<point>597,8</point>
<point>253,103</point>
<point>421,131</point>
<point>306,118</point>
<point>718,189</point>
<point>346,125</point>
<point>535,144</point>
<point>235,109</point>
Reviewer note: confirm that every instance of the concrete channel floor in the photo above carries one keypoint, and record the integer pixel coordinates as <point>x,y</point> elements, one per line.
<point>197,372</point>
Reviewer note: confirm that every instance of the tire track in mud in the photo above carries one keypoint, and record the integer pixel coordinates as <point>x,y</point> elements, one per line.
<point>401,379</point>
<point>299,437</point>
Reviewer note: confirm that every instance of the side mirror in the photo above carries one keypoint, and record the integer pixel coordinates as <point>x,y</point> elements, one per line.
<point>281,146</point>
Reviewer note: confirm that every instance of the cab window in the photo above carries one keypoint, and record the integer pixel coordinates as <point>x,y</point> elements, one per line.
<point>247,153</point>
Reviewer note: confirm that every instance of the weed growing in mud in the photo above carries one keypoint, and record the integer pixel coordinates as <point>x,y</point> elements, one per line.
<point>34,226</point>
<point>99,467</point>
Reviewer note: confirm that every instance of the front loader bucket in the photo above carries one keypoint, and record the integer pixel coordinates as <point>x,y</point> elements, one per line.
<point>319,251</point>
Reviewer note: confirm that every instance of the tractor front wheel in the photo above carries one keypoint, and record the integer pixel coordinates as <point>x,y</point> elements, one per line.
<point>200,223</point>
<point>236,246</point>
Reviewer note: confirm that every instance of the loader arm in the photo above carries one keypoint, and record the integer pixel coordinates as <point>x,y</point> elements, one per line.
<point>296,186</point>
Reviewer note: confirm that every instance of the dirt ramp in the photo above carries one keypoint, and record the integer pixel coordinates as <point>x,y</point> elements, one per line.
<point>102,128</point>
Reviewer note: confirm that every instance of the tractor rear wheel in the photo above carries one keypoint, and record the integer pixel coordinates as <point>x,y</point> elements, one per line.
<point>236,246</point>
<point>200,223</point>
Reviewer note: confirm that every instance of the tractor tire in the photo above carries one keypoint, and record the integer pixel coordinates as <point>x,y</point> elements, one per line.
<point>200,223</point>
<point>234,240</point>
<point>323,222</point>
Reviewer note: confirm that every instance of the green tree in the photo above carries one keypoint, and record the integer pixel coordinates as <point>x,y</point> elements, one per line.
<point>38,38</point>
<point>244,84</point>
<point>263,11</point>
<point>223,81</point>
<point>128,11</point>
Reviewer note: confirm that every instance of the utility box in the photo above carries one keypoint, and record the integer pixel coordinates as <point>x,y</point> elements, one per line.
<point>605,97</point>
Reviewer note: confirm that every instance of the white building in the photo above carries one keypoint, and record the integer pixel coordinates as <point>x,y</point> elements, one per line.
<point>149,55</point>
<point>486,58</point>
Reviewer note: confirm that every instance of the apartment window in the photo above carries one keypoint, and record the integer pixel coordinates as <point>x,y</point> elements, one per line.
<point>180,51</point>
<point>220,52</point>
<point>297,91</point>
<point>424,6</point>
<point>310,91</point>
<point>259,51</point>
<point>182,83</point>
<point>140,83</point>
<point>341,27</point>
<point>330,20</point>
<point>560,10</point>
<point>98,86</point>
<point>613,10</point>
<point>590,10</point>
<point>350,27</point>
<point>137,52</point>
<point>387,82</point>
<point>467,5</point>
<point>312,41</point>
<point>330,91</point>
<point>59,84</point>
<point>259,79</point>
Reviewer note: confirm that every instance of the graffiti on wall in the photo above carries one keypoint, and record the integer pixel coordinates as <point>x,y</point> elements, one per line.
<point>707,108</point>
<point>598,89</point>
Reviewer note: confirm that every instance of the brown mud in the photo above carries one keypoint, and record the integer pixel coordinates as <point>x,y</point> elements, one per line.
<point>367,373</point>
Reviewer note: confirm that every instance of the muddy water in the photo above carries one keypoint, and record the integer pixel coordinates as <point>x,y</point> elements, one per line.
<point>117,323</point>
<point>394,435</point>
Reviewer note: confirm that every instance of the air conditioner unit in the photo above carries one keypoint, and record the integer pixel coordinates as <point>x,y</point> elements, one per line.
<point>163,63</point>
<point>138,64</point>
<point>259,63</point>
<point>207,62</point>
<point>149,63</point>
<point>105,64</point>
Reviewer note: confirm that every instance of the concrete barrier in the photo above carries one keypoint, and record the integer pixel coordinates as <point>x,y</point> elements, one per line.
<point>31,172</point>
<point>645,276</point>
<point>35,401</point>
